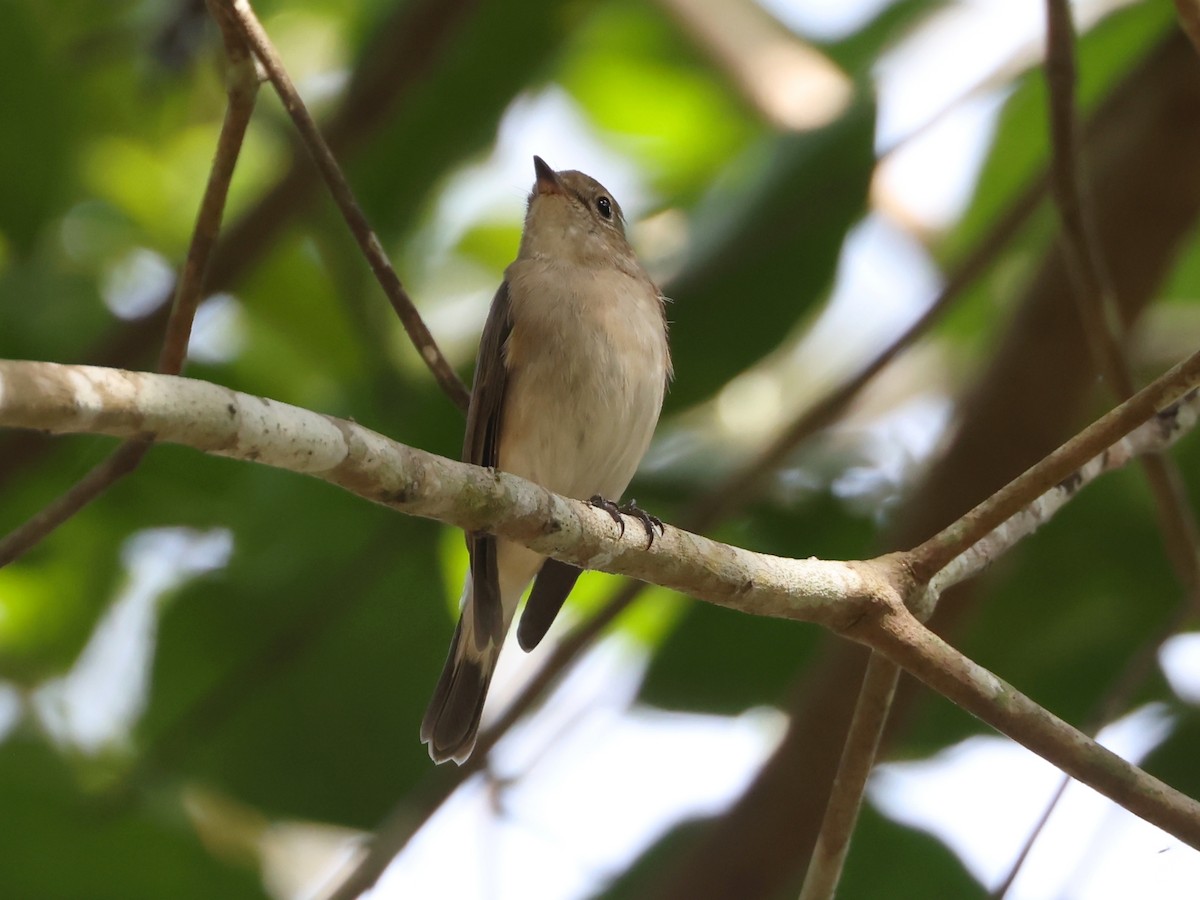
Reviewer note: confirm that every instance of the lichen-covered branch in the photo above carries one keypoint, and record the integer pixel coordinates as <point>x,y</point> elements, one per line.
<point>1058,467</point>
<point>224,422</point>
<point>1152,436</point>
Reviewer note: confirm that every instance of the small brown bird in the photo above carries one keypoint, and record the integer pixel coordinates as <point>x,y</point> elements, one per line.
<point>569,383</point>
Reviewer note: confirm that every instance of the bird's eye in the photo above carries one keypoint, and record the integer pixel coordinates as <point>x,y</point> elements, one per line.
<point>605,206</point>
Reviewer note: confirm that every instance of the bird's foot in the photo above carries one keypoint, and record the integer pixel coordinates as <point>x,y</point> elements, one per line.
<point>609,507</point>
<point>649,521</point>
<point>631,509</point>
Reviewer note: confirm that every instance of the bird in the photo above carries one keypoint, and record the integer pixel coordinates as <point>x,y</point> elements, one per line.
<point>570,377</point>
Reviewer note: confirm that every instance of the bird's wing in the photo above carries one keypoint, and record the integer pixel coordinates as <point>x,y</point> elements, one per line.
<point>481,447</point>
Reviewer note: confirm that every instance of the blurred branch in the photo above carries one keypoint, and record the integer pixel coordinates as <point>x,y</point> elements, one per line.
<point>735,491</point>
<point>788,82</point>
<point>399,826</point>
<point>858,759</point>
<point>1144,138</point>
<point>1115,702</point>
<point>100,478</point>
<point>241,89</point>
<point>1189,20</point>
<point>1095,293</point>
<point>864,601</point>
<point>1096,301</point>
<point>252,31</point>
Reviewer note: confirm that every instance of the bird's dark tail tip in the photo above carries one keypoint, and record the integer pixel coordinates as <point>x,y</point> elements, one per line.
<point>452,719</point>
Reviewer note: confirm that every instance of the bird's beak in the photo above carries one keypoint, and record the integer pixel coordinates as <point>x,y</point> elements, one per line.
<point>547,178</point>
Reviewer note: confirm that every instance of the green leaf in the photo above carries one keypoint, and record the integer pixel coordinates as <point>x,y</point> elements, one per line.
<point>765,246</point>
<point>57,842</point>
<point>37,110</point>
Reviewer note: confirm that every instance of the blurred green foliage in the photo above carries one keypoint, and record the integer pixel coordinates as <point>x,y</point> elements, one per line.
<point>293,679</point>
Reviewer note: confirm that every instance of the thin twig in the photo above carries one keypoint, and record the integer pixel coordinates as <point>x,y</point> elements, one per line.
<point>933,555</point>
<point>241,90</point>
<point>102,476</point>
<point>1095,294</point>
<point>858,758</point>
<point>339,188</point>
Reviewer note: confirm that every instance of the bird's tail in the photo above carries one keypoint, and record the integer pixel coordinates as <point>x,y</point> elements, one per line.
<point>452,719</point>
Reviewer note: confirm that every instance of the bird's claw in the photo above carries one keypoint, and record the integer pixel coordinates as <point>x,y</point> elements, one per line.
<point>609,507</point>
<point>649,522</point>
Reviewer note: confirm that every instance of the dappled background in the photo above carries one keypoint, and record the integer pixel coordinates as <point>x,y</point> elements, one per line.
<point>211,679</point>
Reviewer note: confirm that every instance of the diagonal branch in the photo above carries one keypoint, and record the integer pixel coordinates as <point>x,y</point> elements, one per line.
<point>864,601</point>
<point>936,553</point>
<point>1117,699</point>
<point>858,759</point>
<point>1095,294</point>
<point>254,34</point>
<point>1137,444</point>
<point>907,643</point>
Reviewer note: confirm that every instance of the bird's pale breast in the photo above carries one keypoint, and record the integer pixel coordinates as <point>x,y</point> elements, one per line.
<point>587,360</point>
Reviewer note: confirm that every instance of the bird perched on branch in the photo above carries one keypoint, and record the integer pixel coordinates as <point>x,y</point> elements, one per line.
<point>569,381</point>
